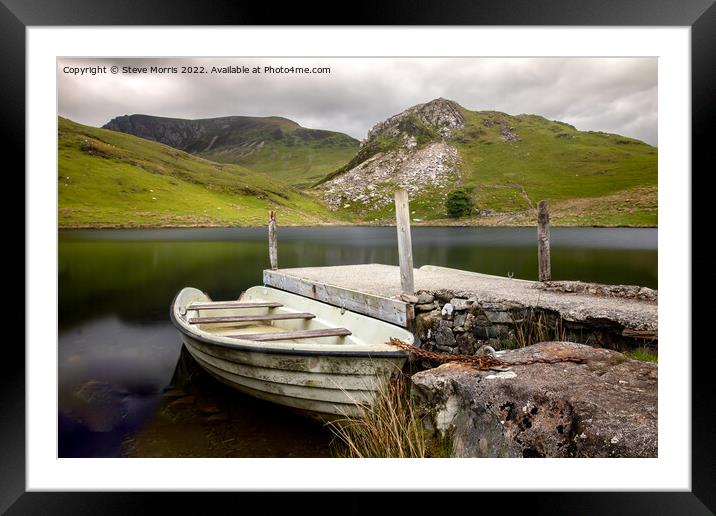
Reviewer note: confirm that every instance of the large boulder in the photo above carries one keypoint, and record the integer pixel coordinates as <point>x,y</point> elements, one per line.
<point>603,407</point>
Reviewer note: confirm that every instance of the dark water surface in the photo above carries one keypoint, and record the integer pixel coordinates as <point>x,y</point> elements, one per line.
<point>126,387</point>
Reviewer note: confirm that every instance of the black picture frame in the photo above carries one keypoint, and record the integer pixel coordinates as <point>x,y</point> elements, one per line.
<point>700,15</point>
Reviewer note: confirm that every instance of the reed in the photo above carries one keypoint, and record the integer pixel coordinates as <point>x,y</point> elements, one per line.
<point>392,427</point>
<point>536,328</point>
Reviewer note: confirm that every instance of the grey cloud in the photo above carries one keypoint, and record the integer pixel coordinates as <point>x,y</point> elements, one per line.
<point>616,95</point>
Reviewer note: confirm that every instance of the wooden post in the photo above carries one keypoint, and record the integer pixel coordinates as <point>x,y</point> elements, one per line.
<point>545,270</point>
<point>273,246</point>
<point>405,246</point>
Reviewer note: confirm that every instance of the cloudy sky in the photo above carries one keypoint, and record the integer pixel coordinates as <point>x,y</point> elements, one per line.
<point>616,95</point>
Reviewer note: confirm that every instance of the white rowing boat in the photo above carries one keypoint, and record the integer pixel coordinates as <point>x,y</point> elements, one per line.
<point>289,349</point>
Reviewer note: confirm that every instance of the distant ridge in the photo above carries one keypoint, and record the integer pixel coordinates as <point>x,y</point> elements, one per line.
<point>272,145</point>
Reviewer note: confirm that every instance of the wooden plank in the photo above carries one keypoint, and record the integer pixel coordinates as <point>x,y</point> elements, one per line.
<point>218,305</point>
<point>251,318</point>
<point>290,335</point>
<point>405,245</point>
<point>273,243</point>
<point>545,270</point>
<point>386,309</point>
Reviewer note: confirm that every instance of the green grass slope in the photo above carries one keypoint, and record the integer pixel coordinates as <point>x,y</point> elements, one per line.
<point>274,146</point>
<point>588,177</point>
<point>509,163</point>
<point>111,179</point>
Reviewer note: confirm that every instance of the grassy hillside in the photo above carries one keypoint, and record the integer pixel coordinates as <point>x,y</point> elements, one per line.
<point>107,178</point>
<point>508,164</point>
<point>575,170</point>
<point>275,146</point>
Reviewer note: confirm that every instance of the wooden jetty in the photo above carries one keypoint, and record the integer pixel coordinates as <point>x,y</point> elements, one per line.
<point>386,292</point>
<point>375,290</point>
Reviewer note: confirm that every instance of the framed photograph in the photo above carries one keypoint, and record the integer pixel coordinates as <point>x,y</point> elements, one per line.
<point>421,253</point>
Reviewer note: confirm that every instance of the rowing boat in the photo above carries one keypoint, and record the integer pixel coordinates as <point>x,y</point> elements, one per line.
<point>289,349</point>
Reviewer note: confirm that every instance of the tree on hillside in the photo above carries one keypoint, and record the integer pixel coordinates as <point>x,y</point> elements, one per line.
<point>458,204</point>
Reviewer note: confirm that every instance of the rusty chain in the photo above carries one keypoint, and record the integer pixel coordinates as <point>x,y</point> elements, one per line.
<point>482,362</point>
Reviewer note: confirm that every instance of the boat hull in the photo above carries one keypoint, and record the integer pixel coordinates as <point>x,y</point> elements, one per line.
<point>326,381</point>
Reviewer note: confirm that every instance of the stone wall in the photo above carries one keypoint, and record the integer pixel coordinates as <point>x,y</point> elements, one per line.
<point>460,324</point>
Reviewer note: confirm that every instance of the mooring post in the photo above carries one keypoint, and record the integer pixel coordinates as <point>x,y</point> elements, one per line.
<point>545,270</point>
<point>405,245</point>
<point>273,246</point>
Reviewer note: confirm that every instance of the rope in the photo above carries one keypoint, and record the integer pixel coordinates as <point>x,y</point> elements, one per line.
<point>482,362</point>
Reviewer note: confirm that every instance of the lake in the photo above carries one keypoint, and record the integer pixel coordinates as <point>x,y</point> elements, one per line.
<point>126,386</point>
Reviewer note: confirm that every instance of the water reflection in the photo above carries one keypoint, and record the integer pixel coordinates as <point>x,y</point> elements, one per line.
<point>118,353</point>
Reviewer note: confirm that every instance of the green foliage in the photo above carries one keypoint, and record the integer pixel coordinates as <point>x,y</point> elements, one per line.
<point>458,204</point>
<point>645,354</point>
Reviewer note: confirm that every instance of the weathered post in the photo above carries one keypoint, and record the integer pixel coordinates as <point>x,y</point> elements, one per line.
<point>273,246</point>
<point>545,270</point>
<point>405,245</point>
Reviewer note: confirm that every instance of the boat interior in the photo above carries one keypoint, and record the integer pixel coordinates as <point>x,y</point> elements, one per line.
<point>265,314</point>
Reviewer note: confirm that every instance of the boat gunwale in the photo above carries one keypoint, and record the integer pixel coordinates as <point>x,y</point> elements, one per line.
<point>274,350</point>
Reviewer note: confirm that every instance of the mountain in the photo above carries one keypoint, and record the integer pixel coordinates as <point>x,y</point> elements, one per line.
<point>275,146</point>
<point>505,163</point>
<point>107,178</point>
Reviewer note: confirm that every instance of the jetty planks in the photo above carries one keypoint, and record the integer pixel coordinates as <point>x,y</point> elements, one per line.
<point>384,308</point>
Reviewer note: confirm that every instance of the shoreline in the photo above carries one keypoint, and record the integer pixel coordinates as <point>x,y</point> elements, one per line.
<point>242,226</point>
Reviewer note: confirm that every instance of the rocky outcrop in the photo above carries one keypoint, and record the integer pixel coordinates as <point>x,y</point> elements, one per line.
<point>187,135</point>
<point>373,182</point>
<point>604,407</point>
<point>442,115</point>
<point>408,150</point>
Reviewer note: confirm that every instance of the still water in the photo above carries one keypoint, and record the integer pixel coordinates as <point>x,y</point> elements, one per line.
<point>126,387</point>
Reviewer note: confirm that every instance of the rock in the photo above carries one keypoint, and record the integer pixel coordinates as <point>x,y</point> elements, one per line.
<point>221,416</point>
<point>460,321</point>
<point>425,307</point>
<point>425,298</point>
<point>409,299</point>
<point>487,332</point>
<point>207,406</point>
<point>186,400</point>
<point>173,392</point>
<point>96,406</point>
<point>418,157</point>
<point>485,351</point>
<point>461,304</point>
<point>600,290</point>
<point>466,344</point>
<point>499,317</point>
<point>605,407</point>
<point>447,310</point>
<point>444,336</point>
<point>425,322</point>
<point>469,323</point>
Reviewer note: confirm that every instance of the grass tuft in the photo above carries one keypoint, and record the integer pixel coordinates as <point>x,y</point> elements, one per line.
<point>392,427</point>
<point>645,354</point>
